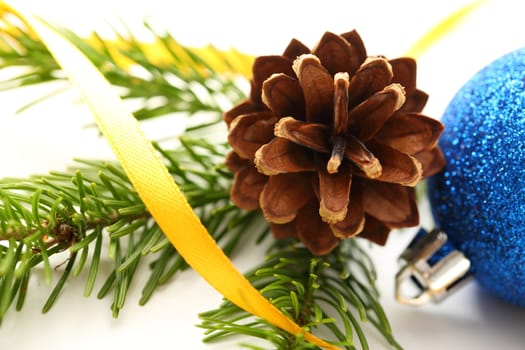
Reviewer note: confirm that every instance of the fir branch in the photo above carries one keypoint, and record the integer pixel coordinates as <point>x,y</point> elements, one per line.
<point>334,295</point>
<point>78,211</point>
<point>161,77</point>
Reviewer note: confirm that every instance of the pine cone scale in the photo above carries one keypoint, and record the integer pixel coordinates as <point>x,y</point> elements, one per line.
<point>311,135</point>
<point>415,102</point>
<point>295,49</point>
<point>393,205</point>
<point>354,221</point>
<point>335,52</point>
<point>410,132</point>
<point>245,107</point>
<point>341,117</point>
<point>404,70</point>
<point>362,158</point>
<point>397,167</point>
<point>283,196</point>
<point>358,50</point>
<point>247,187</point>
<point>263,68</point>
<point>373,75</point>
<point>334,194</point>
<point>281,231</point>
<point>283,95</point>
<point>316,235</point>
<point>281,156</point>
<point>374,230</point>
<point>251,131</point>
<point>369,116</point>
<point>318,88</point>
<point>432,161</point>
<point>235,163</point>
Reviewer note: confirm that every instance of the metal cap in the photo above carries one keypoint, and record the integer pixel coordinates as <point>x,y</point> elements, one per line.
<point>425,276</point>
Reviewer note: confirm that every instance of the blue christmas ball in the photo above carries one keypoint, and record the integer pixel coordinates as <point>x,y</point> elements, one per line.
<point>479,198</point>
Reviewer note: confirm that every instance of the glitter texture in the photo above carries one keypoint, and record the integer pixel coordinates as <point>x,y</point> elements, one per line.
<point>479,199</point>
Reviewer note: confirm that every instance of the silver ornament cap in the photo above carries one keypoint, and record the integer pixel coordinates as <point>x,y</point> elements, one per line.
<point>430,270</point>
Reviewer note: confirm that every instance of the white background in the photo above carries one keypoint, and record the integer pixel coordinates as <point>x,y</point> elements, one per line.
<point>49,135</point>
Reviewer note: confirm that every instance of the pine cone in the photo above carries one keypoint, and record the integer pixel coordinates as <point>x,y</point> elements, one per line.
<point>331,143</point>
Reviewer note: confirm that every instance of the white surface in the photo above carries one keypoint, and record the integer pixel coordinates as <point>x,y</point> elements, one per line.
<point>49,135</point>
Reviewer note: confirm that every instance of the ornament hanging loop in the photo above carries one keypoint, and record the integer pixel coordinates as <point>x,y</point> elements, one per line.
<point>430,271</point>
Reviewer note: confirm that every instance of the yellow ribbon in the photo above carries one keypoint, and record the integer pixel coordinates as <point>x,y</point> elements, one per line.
<point>161,54</point>
<point>442,29</point>
<point>155,185</point>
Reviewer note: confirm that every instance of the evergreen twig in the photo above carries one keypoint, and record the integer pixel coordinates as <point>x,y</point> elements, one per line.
<point>162,77</point>
<point>71,211</point>
<point>333,294</point>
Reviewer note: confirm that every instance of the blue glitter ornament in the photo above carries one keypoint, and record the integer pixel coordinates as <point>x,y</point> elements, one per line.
<point>479,199</point>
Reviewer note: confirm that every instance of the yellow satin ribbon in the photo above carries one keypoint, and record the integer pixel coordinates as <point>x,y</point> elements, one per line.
<point>161,54</point>
<point>442,29</point>
<point>155,185</point>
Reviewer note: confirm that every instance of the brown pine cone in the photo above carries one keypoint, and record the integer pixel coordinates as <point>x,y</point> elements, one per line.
<point>331,143</point>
